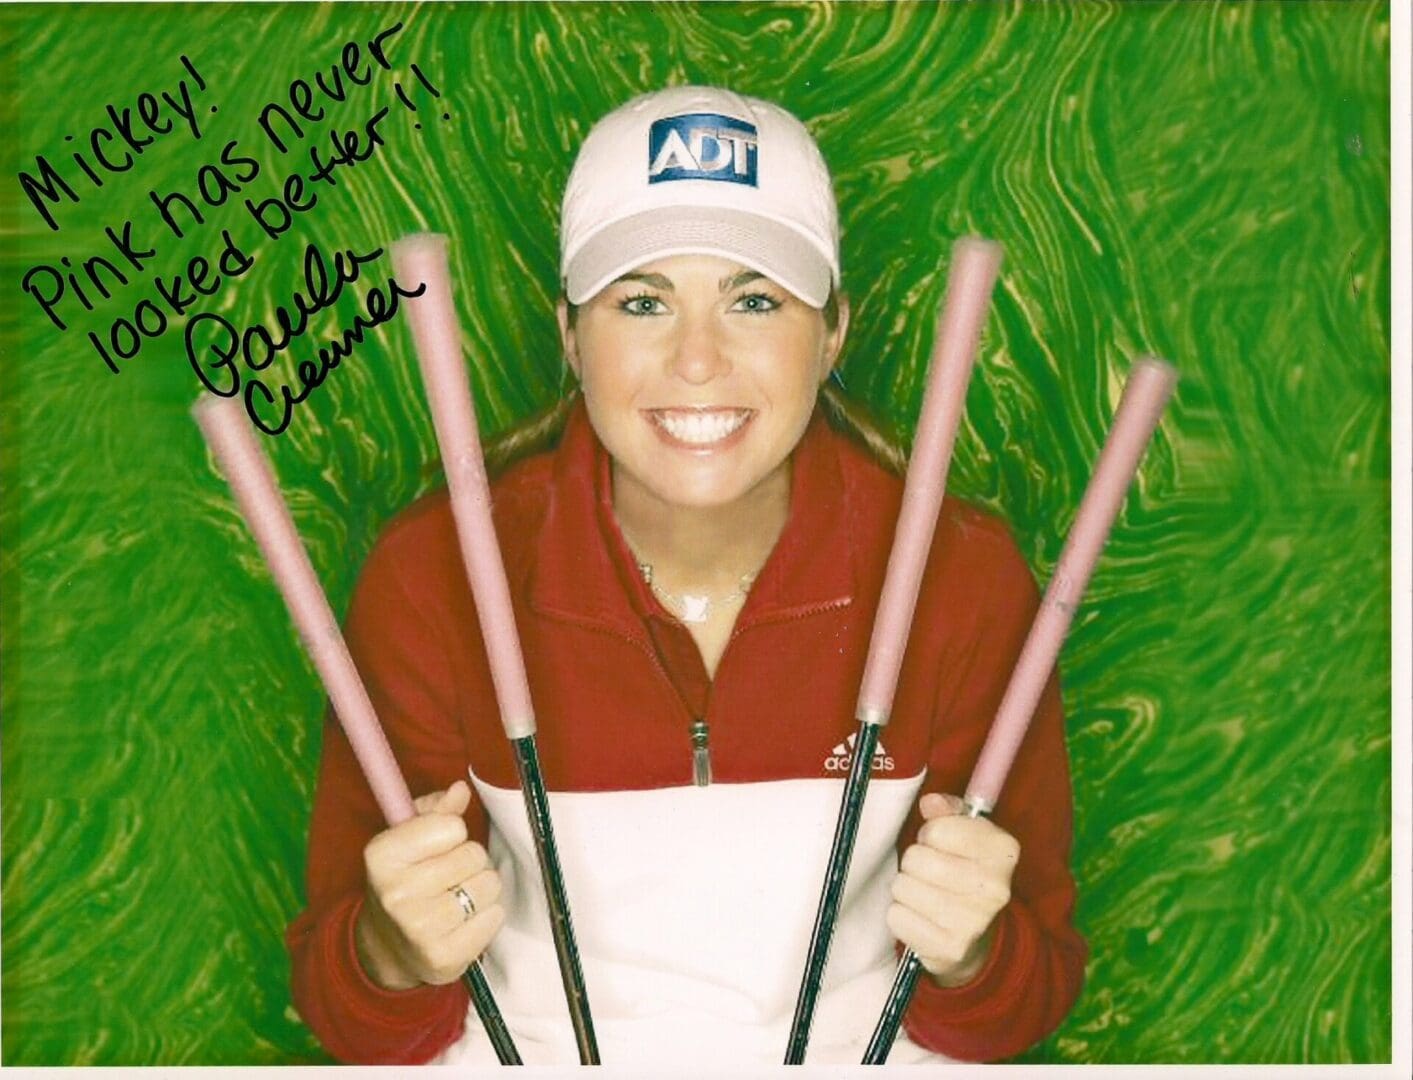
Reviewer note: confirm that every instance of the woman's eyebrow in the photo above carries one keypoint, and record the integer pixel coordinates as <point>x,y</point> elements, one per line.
<point>657,281</point>
<point>736,280</point>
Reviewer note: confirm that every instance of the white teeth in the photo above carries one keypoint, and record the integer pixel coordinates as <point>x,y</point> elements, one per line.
<point>701,428</point>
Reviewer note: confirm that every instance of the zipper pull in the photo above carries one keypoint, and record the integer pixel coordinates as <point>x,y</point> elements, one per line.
<point>701,756</point>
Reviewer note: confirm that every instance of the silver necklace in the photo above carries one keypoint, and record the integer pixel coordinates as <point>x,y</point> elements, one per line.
<point>695,607</point>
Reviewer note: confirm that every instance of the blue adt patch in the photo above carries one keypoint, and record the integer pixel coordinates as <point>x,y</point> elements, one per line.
<point>702,146</point>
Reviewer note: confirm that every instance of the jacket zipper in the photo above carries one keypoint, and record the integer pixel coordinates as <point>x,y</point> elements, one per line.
<point>701,754</point>
<point>701,751</point>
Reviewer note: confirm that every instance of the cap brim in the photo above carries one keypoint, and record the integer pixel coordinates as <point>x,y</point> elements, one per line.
<point>775,250</point>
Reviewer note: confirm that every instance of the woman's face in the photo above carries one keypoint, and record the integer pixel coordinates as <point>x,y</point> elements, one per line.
<point>699,376</point>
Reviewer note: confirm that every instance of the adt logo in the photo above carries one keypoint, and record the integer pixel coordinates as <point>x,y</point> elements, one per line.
<point>702,146</point>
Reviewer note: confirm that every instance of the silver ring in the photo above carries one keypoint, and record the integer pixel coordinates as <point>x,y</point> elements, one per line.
<point>468,906</point>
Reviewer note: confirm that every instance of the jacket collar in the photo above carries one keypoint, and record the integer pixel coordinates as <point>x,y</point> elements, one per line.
<point>584,571</point>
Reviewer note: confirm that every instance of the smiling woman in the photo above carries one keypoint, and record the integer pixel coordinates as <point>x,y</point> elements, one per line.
<point>699,377</point>
<point>695,563</point>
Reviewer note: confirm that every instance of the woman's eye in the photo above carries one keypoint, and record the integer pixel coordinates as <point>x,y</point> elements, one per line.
<point>756,303</point>
<point>643,305</point>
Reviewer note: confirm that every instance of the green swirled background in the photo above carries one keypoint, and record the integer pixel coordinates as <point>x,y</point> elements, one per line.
<point>1206,181</point>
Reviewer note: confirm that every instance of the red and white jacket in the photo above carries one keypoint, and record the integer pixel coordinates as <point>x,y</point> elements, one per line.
<point>692,905</point>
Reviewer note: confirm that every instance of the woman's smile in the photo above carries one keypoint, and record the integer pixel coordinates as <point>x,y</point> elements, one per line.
<point>700,428</point>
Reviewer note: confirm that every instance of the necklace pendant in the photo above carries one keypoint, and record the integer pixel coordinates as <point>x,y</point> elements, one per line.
<point>695,608</point>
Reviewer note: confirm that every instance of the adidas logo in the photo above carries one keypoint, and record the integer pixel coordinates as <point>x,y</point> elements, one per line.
<point>842,757</point>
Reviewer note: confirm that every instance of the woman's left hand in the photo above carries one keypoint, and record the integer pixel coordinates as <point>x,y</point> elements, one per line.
<point>951,885</point>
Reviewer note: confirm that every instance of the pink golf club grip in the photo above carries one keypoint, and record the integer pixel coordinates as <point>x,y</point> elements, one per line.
<point>238,453</point>
<point>975,263</point>
<point>1145,395</point>
<point>421,258</point>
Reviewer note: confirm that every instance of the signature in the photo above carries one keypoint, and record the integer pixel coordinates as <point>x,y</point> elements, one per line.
<point>218,351</point>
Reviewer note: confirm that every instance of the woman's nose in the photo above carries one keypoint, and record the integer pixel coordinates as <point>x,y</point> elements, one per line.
<point>698,354</point>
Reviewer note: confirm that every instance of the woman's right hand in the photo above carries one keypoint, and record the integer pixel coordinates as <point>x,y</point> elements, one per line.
<point>412,928</point>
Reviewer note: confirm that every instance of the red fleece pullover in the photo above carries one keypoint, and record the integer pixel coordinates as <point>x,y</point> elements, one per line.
<point>610,669</point>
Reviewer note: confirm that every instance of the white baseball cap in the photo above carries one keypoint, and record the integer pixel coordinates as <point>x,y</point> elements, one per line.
<point>700,170</point>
